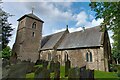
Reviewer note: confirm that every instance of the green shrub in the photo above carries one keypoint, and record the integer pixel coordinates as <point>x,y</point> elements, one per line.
<point>6,52</point>
<point>118,73</point>
<point>52,75</point>
<point>114,68</point>
<point>118,70</point>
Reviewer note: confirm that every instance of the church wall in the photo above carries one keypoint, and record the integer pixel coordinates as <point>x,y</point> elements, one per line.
<point>107,52</point>
<point>78,57</point>
<point>101,60</point>
<point>44,54</point>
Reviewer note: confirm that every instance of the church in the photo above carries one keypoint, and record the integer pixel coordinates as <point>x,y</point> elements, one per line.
<point>90,47</point>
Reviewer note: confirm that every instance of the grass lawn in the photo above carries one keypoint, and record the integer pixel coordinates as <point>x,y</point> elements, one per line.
<point>38,66</point>
<point>62,71</point>
<point>99,75</point>
<point>30,75</point>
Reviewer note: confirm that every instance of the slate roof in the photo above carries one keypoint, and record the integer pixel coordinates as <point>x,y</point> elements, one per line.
<point>48,42</point>
<point>91,37</point>
<point>31,16</point>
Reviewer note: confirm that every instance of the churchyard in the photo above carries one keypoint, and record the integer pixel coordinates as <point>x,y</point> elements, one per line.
<point>51,70</point>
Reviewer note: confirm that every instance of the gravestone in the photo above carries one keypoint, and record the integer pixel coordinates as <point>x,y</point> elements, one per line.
<point>83,68</point>
<point>42,74</point>
<point>67,67</point>
<point>74,74</point>
<point>5,71</point>
<point>38,70</point>
<point>52,66</point>
<point>90,74</point>
<point>86,74</point>
<point>5,62</point>
<point>34,69</point>
<point>57,65</point>
<point>39,62</point>
<point>18,71</point>
<point>57,70</point>
<point>30,67</point>
<point>83,73</point>
<point>45,64</point>
<point>13,58</point>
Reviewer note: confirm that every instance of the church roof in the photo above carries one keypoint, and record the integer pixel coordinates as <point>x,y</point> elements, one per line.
<point>31,15</point>
<point>49,42</point>
<point>90,37</point>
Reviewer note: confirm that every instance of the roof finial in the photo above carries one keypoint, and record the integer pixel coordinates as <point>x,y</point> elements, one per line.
<point>83,28</point>
<point>32,9</point>
<point>66,27</point>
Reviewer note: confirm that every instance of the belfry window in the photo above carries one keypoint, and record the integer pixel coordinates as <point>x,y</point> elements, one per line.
<point>33,34</point>
<point>89,56</point>
<point>34,25</point>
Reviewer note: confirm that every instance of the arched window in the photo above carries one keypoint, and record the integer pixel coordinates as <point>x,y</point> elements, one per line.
<point>59,57</point>
<point>87,59</point>
<point>33,34</point>
<point>90,57</point>
<point>66,56</point>
<point>49,56</point>
<point>41,55</point>
<point>34,25</point>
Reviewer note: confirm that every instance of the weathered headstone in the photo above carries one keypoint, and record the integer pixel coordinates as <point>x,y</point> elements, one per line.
<point>5,71</point>
<point>42,74</point>
<point>39,62</point>
<point>5,62</point>
<point>67,67</point>
<point>86,74</point>
<point>90,74</point>
<point>18,71</point>
<point>74,74</point>
<point>30,67</point>
<point>83,73</point>
<point>34,69</point>
<point>45,64</point>
<point>52,66</point>
<point>13,58</point>
<point>38,70</point>
<point>57,70</point>
<point>83,68</point>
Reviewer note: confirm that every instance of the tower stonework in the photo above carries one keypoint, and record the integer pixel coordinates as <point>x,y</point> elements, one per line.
<point>28,38</point>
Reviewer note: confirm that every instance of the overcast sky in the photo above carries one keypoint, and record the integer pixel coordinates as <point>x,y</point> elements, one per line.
<point>56,15</point>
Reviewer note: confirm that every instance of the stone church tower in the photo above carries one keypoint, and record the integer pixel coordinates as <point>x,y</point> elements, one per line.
<point>28,38</point>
